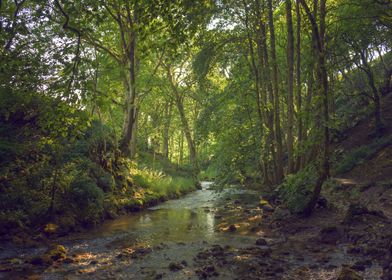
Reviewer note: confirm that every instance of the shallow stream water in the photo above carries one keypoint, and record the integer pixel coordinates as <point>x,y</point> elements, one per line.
<point>172,232</point>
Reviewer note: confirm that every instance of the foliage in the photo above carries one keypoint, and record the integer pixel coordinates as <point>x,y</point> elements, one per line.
<point>87,199</point>
<point>194,85</point>
<point>296,190</point>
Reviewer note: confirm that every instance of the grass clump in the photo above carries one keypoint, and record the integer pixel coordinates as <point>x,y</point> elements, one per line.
<point>361,154</point>
<point>166,186</point>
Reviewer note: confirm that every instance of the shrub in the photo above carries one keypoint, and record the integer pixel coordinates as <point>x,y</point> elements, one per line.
<point>297,188</point>
<point>87,200</point>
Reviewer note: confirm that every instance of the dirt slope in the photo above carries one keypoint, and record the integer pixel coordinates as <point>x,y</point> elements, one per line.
<point>379,167</point>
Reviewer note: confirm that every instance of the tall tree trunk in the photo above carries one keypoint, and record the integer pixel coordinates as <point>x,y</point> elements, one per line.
<point>290,86</point>
<point>298,83</point>
<point>270,98</point>
<point>181,147</point>
<point>167,122</point>
<point>278,135</point>
<point>128,141</point>
<point>307,116</point>
<point>184,123</point>
<point>322,78</point>
<point>260,93</point>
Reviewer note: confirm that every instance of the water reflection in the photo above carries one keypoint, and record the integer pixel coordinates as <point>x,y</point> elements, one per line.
<point>188,219</point>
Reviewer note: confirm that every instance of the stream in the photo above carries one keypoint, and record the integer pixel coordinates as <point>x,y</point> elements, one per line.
<point>145,245</point>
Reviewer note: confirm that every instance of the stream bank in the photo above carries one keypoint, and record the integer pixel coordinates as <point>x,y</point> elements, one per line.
<point>217,235</point>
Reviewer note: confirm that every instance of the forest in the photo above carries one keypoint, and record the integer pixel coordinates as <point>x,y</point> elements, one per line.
<point>180,139</point>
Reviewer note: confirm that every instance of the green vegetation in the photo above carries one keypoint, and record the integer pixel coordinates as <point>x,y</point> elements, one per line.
<point>110,106</point>
<point>296,190</point>
<point>361,154</point>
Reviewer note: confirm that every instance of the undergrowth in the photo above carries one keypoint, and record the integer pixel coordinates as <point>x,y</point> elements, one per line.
<point>361,154</point>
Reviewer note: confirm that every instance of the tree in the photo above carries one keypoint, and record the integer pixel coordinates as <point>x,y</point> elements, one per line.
<point>290,86</point>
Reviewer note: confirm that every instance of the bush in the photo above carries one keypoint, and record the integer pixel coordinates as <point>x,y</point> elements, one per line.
<point>297,188</point>
<point>87,200</point>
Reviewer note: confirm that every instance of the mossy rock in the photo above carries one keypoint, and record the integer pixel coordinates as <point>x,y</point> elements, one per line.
<point>56,252</point>
<point>348,274</point>
<point>51,228</point>
<point>265,205</point>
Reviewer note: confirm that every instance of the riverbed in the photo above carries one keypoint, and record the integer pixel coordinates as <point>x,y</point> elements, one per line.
<point>145,245</point>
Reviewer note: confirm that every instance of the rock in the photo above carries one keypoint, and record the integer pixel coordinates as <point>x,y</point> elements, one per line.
<point>348,274</point>
<point>267,208</point>
<point>322,203</point>
<point>354,250</point>
<point>175,266</point>
<point>141,252</point>
<point>280,213</point>
<point>57,252</point>
<point>93,262</point>
<point>51,228</point>
<point>232,228</point>
<point>4,268</point>
<point>361,265</point>
<point>207,271</point>
<point>265,205</point>
<point>279,270</point>
<point>358,213</point>
<point>330,235</point>
<point>41,261</point>
<point>68,260</point>
<point>261,242</point>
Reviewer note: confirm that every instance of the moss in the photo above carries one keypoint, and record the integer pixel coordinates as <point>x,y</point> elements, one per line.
<point>56,252</point>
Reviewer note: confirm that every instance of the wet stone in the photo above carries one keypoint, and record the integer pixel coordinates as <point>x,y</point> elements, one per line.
<point>330,235</point>
<point>175,266</point>
<point>207,271</point>
<point>261,242</point>
<point>361,265</point>
<point>232,228</point>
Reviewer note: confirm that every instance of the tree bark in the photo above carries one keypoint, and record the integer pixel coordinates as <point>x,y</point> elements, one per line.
<point>128,141</point>
<point>184,122</point>
<point>322,78</point>
<point>298,83</point>
<point>168,115</point>
<point>290,86</point>
<point>278,134</point>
